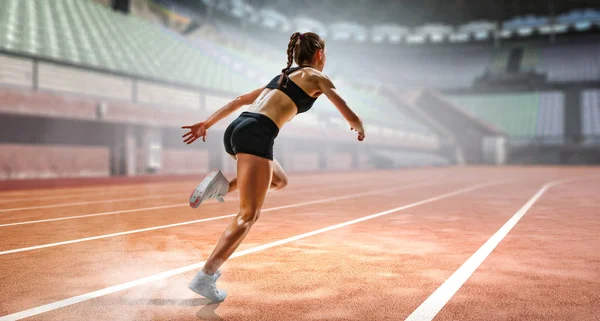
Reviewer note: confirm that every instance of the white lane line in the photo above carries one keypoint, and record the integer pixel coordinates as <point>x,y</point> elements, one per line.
<point>107,191</point>
<point>116,200</point>
<point>163,275</point>
<point>53,197</point>
<point>102,191</point>
<point>438,299</point>
<point>71,192</point>
<point>325,200</point>
<point>280,193</point>
<point>153,196</point>
<point>97,214</point>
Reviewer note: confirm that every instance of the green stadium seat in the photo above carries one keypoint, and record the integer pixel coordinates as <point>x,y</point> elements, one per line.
<point>516,114</point>
<point>84,32</point>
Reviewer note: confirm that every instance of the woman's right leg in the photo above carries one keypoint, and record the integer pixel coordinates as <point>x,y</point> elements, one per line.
<point>279,181</point>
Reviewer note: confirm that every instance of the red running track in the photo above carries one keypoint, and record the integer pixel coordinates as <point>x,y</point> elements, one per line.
<point>317,252</point>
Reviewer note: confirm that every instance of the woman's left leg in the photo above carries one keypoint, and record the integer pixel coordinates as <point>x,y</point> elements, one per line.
<point>280,178</point>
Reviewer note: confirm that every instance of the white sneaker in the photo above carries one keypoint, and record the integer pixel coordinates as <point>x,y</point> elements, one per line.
<point>214,185</point>
<point>206,286</point>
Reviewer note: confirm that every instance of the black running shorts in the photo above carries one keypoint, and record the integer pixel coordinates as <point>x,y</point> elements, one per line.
<point>251,133</point>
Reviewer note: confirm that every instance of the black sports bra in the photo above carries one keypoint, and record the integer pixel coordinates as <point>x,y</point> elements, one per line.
<point>302,100</point>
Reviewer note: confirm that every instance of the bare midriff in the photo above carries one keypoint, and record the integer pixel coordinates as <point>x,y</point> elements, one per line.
<point>276,105</point>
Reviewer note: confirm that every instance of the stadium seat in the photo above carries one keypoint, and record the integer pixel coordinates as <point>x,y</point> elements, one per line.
<point>590,114</point>
<point>550,124</point>
<point>516,114</point>
<point>88,34</point>
<point>576,62</point>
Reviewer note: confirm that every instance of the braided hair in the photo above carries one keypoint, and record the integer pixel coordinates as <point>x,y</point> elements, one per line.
<point>290,55</point>
<point>301,49</point>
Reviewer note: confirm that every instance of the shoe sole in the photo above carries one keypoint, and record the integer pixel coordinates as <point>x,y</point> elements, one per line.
<point>193,286</point>
<point>213,300</point>
<point>196,200</point>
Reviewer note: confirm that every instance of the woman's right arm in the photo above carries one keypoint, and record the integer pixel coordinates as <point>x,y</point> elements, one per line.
<point>199,129</point>
<point>232,106</point>
<point>328,89</point>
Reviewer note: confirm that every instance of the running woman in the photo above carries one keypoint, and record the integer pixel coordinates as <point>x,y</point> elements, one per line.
<point>249,139</point>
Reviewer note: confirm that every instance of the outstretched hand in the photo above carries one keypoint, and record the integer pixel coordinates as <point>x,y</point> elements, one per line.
<point>196,131</point>
<point>361,134</point>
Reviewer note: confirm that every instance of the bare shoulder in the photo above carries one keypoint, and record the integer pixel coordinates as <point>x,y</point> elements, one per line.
<point>319,77</point>
<point>316,73</point>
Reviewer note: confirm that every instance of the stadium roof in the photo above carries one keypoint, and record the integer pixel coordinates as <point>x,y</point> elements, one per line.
<point>417,12</point>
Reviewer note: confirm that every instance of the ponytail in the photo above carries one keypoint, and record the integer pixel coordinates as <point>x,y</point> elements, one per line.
<point>290,55</point>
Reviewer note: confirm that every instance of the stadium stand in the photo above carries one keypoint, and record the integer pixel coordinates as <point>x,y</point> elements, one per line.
<point>439,67</point>
<point>412,66</point>
<point>522,115</point>
<point>576,62</point>
<point>499,60</point>
<point>419,67</point>
<point>377,108</point>
<point>144,50</point>
<point>75,55</point>
<point>590,115</point>
<point>74,59</point>
<point>407,67</point>
<point>530,58</point>
<point>368,102</point>
<point>551,117</point>
<point>86,34</point>
<point>516,114</point>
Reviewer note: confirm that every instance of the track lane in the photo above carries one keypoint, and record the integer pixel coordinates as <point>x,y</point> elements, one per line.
<point>547,268</point>
<point>162,303</point>
<point>117,222</point>
<point>87,209</point>
<point>118,260</point>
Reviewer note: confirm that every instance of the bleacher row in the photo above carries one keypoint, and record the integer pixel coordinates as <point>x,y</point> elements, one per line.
<point>415,69</point>
<point>87,34</point>
<point>524,116</point>
<point>516,114</point>
<point>448,67</point>
<point>533,115</point>
<point>590,115</point>
<point>577,62</point>
<point>366,102</point>
<point>459,67</point>
<point>84,33</point>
